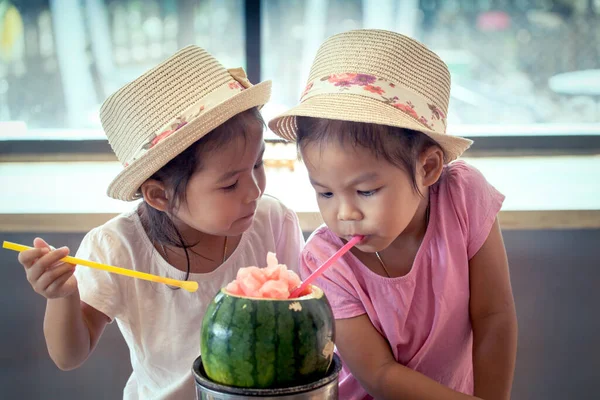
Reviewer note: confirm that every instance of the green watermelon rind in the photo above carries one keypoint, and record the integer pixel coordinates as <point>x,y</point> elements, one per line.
<point>267,343</point>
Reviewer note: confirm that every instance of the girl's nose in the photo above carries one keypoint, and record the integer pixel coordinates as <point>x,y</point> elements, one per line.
<point>254,191</point>
<point>347,212</point>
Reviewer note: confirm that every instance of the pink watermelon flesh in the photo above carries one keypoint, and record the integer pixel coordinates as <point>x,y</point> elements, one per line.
<point>274,281</point>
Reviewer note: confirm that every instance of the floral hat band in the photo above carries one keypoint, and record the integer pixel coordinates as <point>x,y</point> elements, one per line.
<point>409,102</point>
<point>214,98</point>
<point>154,118</point>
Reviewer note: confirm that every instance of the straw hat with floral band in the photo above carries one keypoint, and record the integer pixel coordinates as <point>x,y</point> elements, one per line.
<point>154,118</point>
<point>379,77</point>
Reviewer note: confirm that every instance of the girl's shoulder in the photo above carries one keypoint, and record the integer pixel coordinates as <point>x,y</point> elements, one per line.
<point>466,203</point>
<point>321,244</point>
<point>460,173</point>
<point>464,185</point>
<point>118,240</point>
<point>274,222</point>
<point>275,229</point>
<point>272,214</point>
<point>272,207</point>
<point>125,226</point>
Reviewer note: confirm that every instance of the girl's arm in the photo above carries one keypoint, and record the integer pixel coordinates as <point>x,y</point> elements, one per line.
<point>370,360</point>
<point>71,327</point>
<point>493,318</point>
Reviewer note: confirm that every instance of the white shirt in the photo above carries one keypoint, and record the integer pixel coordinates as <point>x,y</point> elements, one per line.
<point>160,325</point>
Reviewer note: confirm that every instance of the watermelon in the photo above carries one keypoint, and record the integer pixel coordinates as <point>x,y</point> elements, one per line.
<point>267,343</point>
<point>274,282</point>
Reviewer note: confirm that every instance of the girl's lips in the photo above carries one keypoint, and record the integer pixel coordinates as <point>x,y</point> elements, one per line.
<point>248,216</point>
<point>365,237</point>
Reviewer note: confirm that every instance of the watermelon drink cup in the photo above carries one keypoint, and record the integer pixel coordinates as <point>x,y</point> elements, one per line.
<point>267,343</point>
<point>255,337</point>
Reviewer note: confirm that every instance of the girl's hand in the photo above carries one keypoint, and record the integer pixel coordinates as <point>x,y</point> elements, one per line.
<point>47,275</point>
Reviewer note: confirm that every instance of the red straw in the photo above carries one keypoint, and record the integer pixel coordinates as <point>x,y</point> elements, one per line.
<point>351,243</point>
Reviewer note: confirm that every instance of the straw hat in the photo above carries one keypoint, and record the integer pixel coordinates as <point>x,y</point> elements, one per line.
<point>154,118</point>
<point>378,77</point>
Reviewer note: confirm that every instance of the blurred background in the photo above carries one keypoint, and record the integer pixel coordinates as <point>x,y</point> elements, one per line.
<point>518,62</point>
<point>525,87</point>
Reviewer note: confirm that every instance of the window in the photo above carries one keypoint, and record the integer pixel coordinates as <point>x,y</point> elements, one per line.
<point>522,69</point>
<point>60,59</point>
<point>519,68</point>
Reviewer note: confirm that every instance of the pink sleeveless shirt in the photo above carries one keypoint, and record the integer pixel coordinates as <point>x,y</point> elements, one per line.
<point>424,315</point>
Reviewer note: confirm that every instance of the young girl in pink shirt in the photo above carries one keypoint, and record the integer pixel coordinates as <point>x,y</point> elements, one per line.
<point>423,304</point>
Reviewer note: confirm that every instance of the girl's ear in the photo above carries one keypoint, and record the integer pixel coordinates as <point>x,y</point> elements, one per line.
<point>431,164</point>
<point>155,194</point>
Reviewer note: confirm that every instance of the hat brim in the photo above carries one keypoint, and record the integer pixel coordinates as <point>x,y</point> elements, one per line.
<point>356,108</point>
<point>126,184</point>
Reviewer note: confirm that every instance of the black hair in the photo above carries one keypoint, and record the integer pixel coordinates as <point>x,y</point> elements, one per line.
<point>400,147</point>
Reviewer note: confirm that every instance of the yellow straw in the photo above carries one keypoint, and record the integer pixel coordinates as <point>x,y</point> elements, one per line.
<point>190,286</point>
